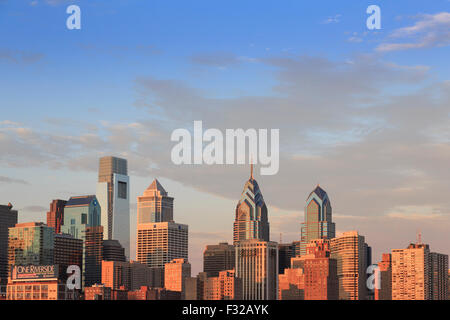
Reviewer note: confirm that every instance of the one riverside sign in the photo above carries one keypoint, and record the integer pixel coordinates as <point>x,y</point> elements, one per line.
<point>31,272</point>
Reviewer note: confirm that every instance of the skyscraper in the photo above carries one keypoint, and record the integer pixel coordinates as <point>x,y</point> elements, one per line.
<point>350,252</point>
<point>251,220</point>
<point>439,277</point>
<point>218,258</point>
<point>82,221</point>
<point>257,267</point>
<point>31,243</point>
<point>67,251</point>
<point>159,242</point>
<point>113,195</point>
<point>8,219</point>
<point>411,273</point>
<point>318,223</point>
<point>55,217</point>
<point>155,205</point>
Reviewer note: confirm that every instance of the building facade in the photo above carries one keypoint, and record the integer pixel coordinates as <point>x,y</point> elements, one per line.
<point>350,252</point>
<point>318,219</point>
<point>8,219</point>
<point>55,217</point>
<point>411,277</point>
<point>218,258</point>
<point>175,273</point>
<point>383,288</point>
<point>439,276</point>
<point>31,243</point>
<point>257,267</point>
<point>68,251</point>
<point>113,251</point>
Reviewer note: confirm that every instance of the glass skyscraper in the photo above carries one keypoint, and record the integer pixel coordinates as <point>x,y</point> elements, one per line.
<point>318,223</point>
<point>251,220</point>
<point>113,192</point>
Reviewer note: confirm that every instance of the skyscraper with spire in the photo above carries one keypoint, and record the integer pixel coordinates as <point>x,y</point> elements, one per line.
<point>251,220</point>
<point>318,223</point>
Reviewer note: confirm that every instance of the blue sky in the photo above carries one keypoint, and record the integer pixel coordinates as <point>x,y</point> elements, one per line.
<point>136,68</point>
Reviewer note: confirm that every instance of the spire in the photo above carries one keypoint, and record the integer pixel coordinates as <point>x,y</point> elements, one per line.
<point>251,171</point>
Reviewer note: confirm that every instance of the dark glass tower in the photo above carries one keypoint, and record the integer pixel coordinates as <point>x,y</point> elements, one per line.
<point>318,224</point>
<point>251,214</point>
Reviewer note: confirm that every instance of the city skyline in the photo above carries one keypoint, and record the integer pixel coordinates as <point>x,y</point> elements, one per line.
<point>364,113</point>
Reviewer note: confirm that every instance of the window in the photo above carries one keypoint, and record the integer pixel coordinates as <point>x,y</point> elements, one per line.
<point>122,190</point>
<point>83,218</point>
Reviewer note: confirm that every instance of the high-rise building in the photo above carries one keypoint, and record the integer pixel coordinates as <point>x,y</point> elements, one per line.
<point>175,273</point>
<point>113,251</point>
<point>55,217</point>
<point>68,251</point>
<point>350,252</point>
<point>411,277</point>
<point>257,267</point>
<point>31,243</point>
<point>93,257</point>
<point>158,243</point>
<point>218,258</point>
<point>318,223</point>
<point>320,271</point>
<point>285,253</point>
<point>383,289</point>
<point>82,221</point>
<point>251,220</point>
<point>154,205</point>
<point>439,276</point>
<point>8,219</point>
<point>113,190</point>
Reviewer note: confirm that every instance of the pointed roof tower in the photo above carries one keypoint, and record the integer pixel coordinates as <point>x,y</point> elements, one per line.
<point>155,186</point>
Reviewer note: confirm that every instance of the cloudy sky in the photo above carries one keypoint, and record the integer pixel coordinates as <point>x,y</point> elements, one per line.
<point>365,113</point>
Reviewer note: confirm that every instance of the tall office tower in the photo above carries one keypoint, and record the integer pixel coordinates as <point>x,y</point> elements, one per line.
<point>439,276</point>
<point>383,289</point>
<point>218,258</point>
<point>68,251</point>
<point>223,287</point>
<point>155,205</point>
<point>113,251</point>
<point>318,223</point>
<point>55,217</point>
<point>175,273</point>
<point>93,255</point>
<point>411,275</point>
<point>158,243</point>
<point>349,250</point>
<point>8,219</point>
<point>80,215</point>
<point>113,190</point>
<point>257,267</point>
<point>448,290</point>
<point>285,253</point>
<point>31,243</point>
<point>251,214</point>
